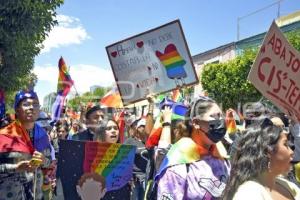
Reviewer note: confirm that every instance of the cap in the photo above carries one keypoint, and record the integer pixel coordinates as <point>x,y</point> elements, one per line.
<point>91,110</point>
<point>24,94</point>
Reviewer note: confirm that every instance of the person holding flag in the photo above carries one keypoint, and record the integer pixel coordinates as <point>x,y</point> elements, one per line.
<point>24,147</point>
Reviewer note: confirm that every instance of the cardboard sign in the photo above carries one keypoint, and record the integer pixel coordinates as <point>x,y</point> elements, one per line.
<point>276,71</point>
<point>155,61</point>
<point>94,170</point>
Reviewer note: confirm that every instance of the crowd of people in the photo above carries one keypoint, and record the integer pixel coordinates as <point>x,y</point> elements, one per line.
<point>194,157</point>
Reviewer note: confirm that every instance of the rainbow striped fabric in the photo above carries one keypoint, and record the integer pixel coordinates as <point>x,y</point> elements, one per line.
<point>112,161</point>
<point>64,85</point>
<point>231,126</point>
<point>2,104</point>
<point>172,61</point>
<point>65,81</point>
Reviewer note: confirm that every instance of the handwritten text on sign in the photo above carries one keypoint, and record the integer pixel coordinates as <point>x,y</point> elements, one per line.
<point>155,61</point>
<point>276,71</point>
<point>112,161</point>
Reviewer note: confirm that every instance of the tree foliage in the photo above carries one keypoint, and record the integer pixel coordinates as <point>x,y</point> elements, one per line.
<point>85,98</point>
<point>24,24</point>
<point>227,82</point>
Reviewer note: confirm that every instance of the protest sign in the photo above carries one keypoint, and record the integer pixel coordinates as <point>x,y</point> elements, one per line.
<point>155,61</point>
<point>276,71</point>
<point>95,170</point>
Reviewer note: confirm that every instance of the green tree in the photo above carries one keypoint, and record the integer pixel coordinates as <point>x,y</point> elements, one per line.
<point>227,82</point>
<point>24,24</point>
<point>86,97</point>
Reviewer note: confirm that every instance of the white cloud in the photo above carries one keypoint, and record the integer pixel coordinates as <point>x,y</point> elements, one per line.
<point>68,31</point>
<point>83,76</point>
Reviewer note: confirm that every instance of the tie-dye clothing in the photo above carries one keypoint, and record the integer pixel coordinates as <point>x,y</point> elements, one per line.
<point>203,179</point>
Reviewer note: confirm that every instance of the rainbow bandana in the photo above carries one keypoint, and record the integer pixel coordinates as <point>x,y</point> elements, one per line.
<point>182,152</point>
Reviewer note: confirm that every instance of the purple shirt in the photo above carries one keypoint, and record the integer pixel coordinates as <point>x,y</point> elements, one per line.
<point>203,179</point>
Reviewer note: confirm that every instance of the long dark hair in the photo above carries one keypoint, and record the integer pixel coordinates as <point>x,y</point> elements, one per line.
<point>251,158</point>
<point>100,135</point>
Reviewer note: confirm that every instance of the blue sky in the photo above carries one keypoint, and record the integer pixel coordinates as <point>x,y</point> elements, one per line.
<point>87,27</point>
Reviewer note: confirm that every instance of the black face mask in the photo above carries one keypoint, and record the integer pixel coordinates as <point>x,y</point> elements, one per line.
<point>217,130</point>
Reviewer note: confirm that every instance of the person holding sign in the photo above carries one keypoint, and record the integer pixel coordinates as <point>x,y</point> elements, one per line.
<point>263,156</point>
<point>109,132</point>
<point>24,147</point>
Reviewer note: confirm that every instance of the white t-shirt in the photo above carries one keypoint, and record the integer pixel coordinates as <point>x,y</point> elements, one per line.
<point>253,190</point>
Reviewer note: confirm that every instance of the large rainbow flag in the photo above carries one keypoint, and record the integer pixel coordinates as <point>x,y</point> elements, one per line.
<point>172,61</point>
<point>64,85</point>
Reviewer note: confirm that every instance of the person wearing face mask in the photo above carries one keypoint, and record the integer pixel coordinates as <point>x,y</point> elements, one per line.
<point>93,116</point>
<point>196,167</point>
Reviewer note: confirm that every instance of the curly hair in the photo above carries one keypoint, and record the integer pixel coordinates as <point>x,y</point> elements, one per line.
<point>251,158</point>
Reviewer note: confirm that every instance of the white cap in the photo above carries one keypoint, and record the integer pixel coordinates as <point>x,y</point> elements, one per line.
<point>141,122</point>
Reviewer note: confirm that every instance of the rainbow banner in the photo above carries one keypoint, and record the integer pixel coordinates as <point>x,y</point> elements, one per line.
<point>113,163</point>
<point>64,85</point>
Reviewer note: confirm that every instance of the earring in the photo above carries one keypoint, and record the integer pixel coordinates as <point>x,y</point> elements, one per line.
<point>269,165</point>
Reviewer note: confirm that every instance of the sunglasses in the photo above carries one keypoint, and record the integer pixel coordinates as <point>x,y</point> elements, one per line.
<point>108,128</point>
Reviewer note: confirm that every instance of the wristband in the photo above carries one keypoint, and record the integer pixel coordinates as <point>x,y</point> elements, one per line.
<point>166,124</point>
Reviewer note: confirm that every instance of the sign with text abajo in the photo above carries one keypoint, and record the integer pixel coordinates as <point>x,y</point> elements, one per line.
<point>155,61</point>
<point>276,71</point>
<point>94,170</point>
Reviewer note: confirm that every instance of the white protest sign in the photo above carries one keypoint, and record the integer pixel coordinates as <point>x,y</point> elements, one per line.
<point>276,72</point>
<point>155,61</point>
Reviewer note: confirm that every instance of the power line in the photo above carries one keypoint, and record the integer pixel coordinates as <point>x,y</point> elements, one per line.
<point>254,12</point>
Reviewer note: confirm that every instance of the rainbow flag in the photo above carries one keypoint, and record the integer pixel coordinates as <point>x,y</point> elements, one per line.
<point>154,136</point>
<point>2,104</point>
<point>112,161</point>
<point>172,61</point>
<point>112,99</point>
<point>183,151</point>
<point>64,85</point>
<point>231,127</point>
<point>14,138</point>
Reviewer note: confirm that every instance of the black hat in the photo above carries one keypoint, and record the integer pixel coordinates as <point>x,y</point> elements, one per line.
<point>92,109</point>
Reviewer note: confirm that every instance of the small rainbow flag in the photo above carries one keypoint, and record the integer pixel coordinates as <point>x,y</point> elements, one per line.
<point>231,127</point>
<point>64,79</point>
<point>112,161</point>
<point>172,61</point>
